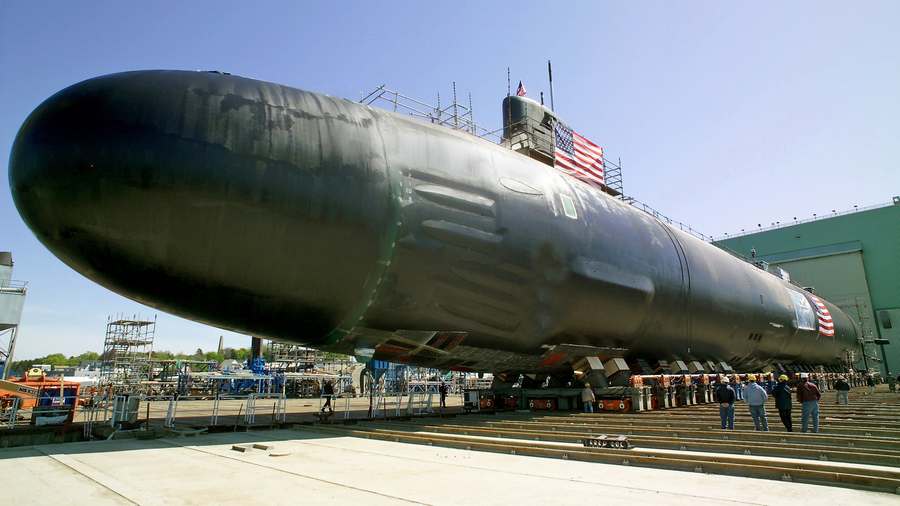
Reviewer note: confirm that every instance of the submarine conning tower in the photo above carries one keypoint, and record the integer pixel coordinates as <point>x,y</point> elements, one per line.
<point>529,129</point>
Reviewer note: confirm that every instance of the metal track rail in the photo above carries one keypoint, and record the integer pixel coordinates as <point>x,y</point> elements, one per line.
<point>880,479</point>
<point>737,435</point>
<point>676,442</point>
<point>858,446</point>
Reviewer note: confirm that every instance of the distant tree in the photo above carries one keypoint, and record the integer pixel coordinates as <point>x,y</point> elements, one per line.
<point>162,355</point>
<point>88,356</point>
<point>198,355</point>
<point>18,367</point>
<point>55,359</point>
<point>241,354</point>
<point>212,355</point>
<point>336,356</point>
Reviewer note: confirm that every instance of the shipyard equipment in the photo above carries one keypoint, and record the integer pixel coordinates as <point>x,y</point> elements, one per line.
<point>48,401</point>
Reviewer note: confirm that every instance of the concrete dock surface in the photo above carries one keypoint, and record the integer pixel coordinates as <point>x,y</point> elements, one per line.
<point>309,467</point>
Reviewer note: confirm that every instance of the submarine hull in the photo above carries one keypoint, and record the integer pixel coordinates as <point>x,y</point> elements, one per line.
<point>282,213</point>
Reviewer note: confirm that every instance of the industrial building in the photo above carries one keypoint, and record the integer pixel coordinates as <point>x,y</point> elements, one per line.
<point>851,258</point>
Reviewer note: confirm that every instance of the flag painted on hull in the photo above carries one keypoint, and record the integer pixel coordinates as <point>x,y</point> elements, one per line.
<point>826,324</point>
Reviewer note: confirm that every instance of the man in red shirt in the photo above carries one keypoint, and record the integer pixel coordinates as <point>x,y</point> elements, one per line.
<point>808,395</point>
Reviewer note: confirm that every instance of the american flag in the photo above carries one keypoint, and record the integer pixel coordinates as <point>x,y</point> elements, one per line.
<point>520,91</point>
<point>577,156</point>
<point>826,324</point>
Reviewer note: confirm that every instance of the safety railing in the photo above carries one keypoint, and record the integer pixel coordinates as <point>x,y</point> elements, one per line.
<point>13,286</point>
<point>216,411</point>
<point>138,412</point>
<point>815,217</point>
<point>454,115</point>
<point>665,219</point>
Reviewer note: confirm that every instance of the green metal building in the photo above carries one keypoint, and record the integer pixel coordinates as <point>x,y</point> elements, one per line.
<point>851,259</point>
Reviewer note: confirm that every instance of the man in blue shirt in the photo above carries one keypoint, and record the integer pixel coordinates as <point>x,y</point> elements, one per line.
<point>782,395</point>
<point>755,397</point>
<point>738,387</point>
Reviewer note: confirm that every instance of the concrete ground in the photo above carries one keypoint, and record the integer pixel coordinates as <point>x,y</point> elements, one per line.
<point>307,467</point>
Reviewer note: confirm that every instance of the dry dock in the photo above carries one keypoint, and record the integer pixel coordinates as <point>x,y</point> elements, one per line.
<point>306,467</point>
<point>858,446</point>
<point>680,456</point>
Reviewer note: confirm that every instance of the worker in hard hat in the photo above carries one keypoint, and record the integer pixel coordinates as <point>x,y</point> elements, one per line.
<point>588,398</point>
<point>726,397</point>
<point>755,396</point>
<point>782,395</point>
<point>843,390</point>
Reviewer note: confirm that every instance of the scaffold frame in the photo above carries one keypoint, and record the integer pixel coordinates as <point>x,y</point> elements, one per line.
<point>127,353</point>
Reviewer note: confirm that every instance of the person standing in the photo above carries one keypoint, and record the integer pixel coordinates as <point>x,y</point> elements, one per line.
<point>327,393</point>
<point>843,391</point>
<point>808,395</point>
<point>725,396</point>
<point>782,395</point>
<point>870,382</point>
<point>892,382</point>
<point>755,396</point>
<point>443,389</point>
<point>588,398</point>
<point>738,388</point>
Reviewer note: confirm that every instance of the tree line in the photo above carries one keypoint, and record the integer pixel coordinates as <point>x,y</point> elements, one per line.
<point>89,357</point>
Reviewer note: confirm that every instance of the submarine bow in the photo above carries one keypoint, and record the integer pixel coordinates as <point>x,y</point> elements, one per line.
<point>224,200</point>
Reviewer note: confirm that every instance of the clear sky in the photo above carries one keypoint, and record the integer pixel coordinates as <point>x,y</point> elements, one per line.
<point>724,115</point>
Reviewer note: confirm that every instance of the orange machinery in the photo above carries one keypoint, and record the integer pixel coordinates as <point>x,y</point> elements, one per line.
<point>36,389</point>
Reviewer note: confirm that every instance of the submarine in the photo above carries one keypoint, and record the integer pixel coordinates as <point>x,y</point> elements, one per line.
<point>276,212</point>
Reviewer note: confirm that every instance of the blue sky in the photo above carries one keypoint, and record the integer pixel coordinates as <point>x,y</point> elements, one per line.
<point>724,115</point>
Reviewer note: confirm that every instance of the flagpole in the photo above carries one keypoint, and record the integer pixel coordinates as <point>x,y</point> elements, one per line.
<point>550,73</point>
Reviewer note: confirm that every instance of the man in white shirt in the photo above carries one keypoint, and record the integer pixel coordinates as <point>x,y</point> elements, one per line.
<point>588,398</point>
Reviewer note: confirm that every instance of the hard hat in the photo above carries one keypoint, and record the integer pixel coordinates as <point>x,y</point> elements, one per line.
<point>751,377</point>
<point>725,379</point>
<point>804,375</point>
<point>783,377</point>
<point>587,385</point>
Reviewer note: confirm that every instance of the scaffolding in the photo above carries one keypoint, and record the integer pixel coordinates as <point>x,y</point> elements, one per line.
<point>127,350</point>
<point>290,357</point>
<point>455,115</point>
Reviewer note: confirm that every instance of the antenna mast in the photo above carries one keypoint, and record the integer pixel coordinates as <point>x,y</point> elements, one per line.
<point>508,84</point>
<point>550,73</point>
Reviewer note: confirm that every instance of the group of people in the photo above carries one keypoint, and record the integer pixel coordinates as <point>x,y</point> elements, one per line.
<point>892,382</point>
<point>755,396</point>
